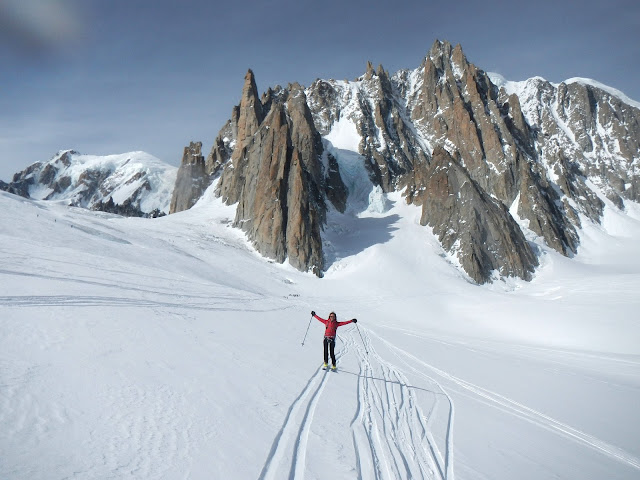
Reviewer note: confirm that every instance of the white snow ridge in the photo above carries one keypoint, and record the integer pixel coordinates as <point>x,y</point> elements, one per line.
<point>166,348</point>
<point>85,180</point>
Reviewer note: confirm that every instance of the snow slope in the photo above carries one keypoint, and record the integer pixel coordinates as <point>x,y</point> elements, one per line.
<point>168,349</point>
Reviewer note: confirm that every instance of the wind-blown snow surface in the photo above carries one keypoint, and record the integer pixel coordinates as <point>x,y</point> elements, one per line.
<point>167,349</point>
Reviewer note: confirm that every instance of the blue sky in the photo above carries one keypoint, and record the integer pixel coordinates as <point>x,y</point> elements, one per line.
<point>111,76</point>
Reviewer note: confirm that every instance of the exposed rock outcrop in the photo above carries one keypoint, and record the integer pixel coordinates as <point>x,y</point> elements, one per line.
<point>125,209</point>
<point>586,132</point>
<point>192,179</point>
<point>466,114</point>
<point>546,153</point>
<point>337,193</point>
<point>276,178</point>
<point>471,225</point>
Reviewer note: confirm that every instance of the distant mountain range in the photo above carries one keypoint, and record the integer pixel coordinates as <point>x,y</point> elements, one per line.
<point>131,184</point>
<point>496,167</point>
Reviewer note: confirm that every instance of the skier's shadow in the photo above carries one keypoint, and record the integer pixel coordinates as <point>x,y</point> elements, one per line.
<point>390,381</point>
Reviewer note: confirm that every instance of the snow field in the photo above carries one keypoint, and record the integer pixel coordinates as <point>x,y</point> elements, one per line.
<point>167,348</point>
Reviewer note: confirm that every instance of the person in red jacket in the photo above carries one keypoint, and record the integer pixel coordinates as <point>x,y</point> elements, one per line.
<point>331,325</point>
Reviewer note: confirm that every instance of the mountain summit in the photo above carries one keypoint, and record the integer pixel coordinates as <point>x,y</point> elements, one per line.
<point>131,184</point>
<point>491,165</point>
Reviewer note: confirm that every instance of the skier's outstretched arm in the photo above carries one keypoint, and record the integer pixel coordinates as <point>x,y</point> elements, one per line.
<point>318,318</point>
<point>353,320</point>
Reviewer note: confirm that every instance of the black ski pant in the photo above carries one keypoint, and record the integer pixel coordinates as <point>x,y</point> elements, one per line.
<point>330,346</point>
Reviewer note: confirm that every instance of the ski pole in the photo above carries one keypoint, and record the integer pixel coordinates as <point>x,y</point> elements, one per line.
<point>305,333</point>
<point>363,344</point>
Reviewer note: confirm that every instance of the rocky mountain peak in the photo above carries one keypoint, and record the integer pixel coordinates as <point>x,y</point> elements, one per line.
<point>191,180</point>
<point>458,58</point>
<point>250,111</point>
<point>438,50</point>
<point>488,164</point>
<point>370,71</point>
<point>277,178</point>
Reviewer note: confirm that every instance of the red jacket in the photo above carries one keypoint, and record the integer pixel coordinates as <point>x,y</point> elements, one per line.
<point>331,327</point>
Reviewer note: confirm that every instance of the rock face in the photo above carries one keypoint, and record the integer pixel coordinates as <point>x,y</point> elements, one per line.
<point>584,132</point>
<point>472,224</point>
<point>490,162</point>
<point>192,179</point>
<point>459,105</point>
<point>275,175</point>
<point>130,184</point>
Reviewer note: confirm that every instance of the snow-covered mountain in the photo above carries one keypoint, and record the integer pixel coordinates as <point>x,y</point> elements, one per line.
<point>499,169</point>
<point>132,184</point>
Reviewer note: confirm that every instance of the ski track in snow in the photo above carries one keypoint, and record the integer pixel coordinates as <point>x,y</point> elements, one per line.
<point>391,434</point>
<point>289,449</point>
<point>97,301</point>
<point>216,298</point>
<point>522,411</point>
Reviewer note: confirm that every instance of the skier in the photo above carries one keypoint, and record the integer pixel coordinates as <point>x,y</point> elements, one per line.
<point>329,343</point>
